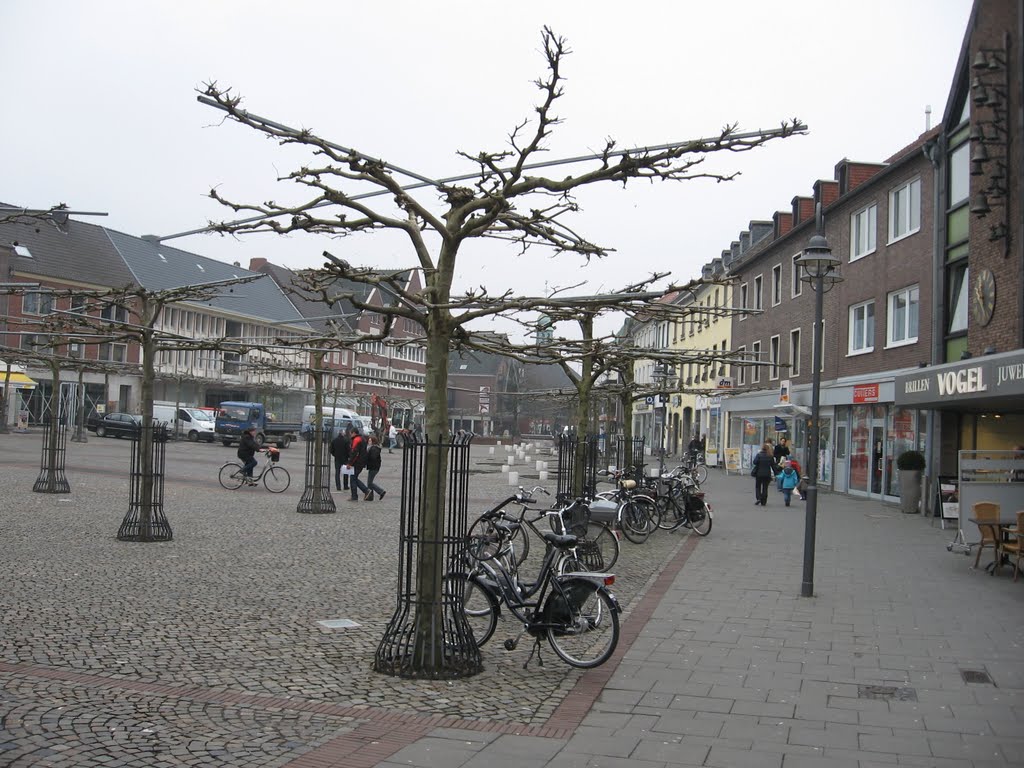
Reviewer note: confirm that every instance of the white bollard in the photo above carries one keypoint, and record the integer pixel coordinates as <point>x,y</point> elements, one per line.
<point>511,460</point>
<point>491,450</point>
<point>513,478</point>
<point>542,475</point>
<point>499,442</point>
<point>504,468</point>
<point>540,465</point>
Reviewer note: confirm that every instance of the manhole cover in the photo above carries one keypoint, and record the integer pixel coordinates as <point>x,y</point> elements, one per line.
<point>338,623</point>
<point>976,676</point>
<point>886,692</point>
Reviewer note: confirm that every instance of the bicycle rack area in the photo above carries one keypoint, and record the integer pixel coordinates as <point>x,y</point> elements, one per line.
<point>146,520</point>
<point>417,643</point>
<point>316,491</point>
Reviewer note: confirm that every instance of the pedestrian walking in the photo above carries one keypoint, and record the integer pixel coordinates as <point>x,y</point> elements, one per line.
<point>781,454</point>
<point>372,468</point>
<point>357,462</point>
<point>392,437</point>
<point>789,479</point>
<point>763,469</point>
<point>341,447</point>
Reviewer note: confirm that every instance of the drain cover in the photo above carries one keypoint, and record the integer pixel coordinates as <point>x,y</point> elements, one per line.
<point>338,623</point>
<point>976,676</point>
<point>886,692</point>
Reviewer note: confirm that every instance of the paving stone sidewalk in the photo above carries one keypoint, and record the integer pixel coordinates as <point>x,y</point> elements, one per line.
<point>734,669</point>
<point>206,651</point>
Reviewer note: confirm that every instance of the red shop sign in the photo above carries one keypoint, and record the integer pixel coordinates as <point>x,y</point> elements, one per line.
<point>865,393</point>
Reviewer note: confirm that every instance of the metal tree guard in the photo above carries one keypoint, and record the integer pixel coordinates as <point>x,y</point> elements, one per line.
<point>567,453</point>
<point>459,654</point>
<point>51,464</point>
<point>316,493</point>
<point>631,454</point>
<point>137,526</point>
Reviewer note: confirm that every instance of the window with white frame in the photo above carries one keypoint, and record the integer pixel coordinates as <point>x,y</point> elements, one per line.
<point>798,284</point>
<point>113,353</point>
<point>759,292</point>
<point>794,353</point>
<point>773,356</point>
<point>862,232</point>
<point>755,353</point>
<point>905,210</point>
<point>862,327</point>
<point>741,369</point>
<point>902,316</point>
<point>743,299</point>
<point>37,303</point>
<point>776,285</point>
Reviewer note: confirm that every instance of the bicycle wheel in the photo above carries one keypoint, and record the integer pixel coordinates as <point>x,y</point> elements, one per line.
<point>520,544</point>
<point>700,474</point>
<point>230,476</point>
<point>484,541</point>
<point>277,479</point>
<point>584,623</point>
<point>598,548</point>
<point>633,522</point>
<point>570,562</point>
<point>650,508</point>
<point>478,605</point>
<point>700,519</point>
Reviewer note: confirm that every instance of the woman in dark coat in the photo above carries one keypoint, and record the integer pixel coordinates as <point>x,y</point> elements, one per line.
<point>763,470</point>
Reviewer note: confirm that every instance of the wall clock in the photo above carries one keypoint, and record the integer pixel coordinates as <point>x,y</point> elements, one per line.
<point>983,297</point>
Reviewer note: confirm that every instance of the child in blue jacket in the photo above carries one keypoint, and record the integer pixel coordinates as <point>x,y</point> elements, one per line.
<point>789,479</point>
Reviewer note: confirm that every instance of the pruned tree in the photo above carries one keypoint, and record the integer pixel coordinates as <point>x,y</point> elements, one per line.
<point>500,199</point>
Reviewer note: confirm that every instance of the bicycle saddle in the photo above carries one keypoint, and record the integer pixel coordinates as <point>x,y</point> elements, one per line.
<point>562,541</point>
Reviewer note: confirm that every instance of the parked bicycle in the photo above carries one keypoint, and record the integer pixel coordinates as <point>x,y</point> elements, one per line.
<point>597,548</point>
<point>575,610</point>
<point>682,504</point>
<point>275,477</point>
<point>636,512</point>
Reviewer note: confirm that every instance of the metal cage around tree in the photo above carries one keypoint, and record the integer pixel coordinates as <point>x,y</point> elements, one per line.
<point>316,496</point>
<point>572,450</point>
<point>431,640</point>
<point>630,455</point>
<point>51,463</point>
<point>146,520</point>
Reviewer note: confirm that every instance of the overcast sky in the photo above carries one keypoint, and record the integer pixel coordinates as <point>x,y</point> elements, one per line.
<point>100,109</point>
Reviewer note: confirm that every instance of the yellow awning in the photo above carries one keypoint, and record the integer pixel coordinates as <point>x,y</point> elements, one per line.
<point>18,380</point>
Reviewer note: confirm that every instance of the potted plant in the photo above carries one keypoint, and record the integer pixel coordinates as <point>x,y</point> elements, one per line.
<point>911,465</point>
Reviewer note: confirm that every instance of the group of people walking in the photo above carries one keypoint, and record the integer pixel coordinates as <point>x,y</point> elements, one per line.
<point>352,454</point>
<point>773,462</point>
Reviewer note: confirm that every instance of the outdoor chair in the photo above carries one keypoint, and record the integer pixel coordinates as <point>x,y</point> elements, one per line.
<point>1011,548</point>
<point>986,515</point>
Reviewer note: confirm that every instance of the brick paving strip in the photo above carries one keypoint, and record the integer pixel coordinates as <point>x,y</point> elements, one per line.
<point>379,733</point>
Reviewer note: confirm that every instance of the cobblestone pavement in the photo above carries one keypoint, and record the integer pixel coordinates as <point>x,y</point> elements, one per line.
<point>111,651</point>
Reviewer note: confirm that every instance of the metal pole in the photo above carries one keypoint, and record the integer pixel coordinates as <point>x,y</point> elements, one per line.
<point>810,521</point>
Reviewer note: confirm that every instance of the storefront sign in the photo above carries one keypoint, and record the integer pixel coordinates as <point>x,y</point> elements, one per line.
<point>784,391</point>
<point>991,377</point>
<point>780,424</point>
<point>723,382</point>
<point>865,393</point>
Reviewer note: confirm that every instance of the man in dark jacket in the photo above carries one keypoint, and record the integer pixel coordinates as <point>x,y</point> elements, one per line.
<point>372,468</point>
<point>357,460</point>
<point>340,448</point>
<point>247,448</point>
<point>763,470</point>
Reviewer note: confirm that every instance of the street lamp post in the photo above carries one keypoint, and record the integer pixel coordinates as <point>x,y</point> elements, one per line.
<point>817,264</point>
<point>662,373</point>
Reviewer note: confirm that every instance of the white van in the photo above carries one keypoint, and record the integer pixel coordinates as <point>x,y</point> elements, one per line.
<point>337,419</point>
<point>192,422</point>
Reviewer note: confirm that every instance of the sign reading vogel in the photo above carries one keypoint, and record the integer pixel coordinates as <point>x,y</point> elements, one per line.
<point>989,377</point>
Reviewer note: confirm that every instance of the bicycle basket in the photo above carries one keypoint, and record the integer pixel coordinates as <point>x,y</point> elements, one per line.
<point>275,454</point>
<point>589,553</point>
<point>575,517</point>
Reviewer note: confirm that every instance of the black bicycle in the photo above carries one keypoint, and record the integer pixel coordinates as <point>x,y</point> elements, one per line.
<point>682,504</point>
<point>575,611</point>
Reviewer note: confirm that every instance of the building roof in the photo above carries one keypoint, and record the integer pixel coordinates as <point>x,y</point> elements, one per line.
<point>80,253</point>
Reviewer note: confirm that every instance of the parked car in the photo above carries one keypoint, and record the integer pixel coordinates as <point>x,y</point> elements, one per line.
<point>191,422</point>
<point>114,424</point>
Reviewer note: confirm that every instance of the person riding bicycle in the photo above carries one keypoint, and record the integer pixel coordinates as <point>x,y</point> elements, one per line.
<point>695,448</point>
<point>247,448</point>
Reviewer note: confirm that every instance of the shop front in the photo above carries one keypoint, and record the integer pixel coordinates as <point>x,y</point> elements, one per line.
<point>978,405</point>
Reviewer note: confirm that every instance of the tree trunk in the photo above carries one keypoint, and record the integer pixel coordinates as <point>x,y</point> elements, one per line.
<point>5,398</point>
<point>51,448</point>
<point>427,650</point>
<point>146,485</point>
